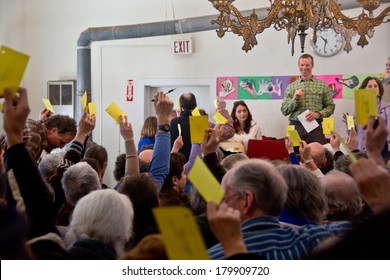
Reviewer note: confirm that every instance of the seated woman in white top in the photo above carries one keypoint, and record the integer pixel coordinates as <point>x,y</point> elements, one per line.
<point>246,128</point>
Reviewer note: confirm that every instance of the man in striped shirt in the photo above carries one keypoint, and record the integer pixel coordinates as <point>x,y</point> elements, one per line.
<point>256,189</point>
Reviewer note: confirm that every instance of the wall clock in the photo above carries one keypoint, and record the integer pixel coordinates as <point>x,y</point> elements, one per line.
<point>329,43</point>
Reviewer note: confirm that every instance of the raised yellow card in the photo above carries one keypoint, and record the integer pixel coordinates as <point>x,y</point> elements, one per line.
<point>48,105</point>
<point>12,67</point>
<point>92,108</point>
<point>196,112</point>
<point>289,127</point>
<point>365,105</point>
<point>179,128</point>
<point>198,125</point>
<point>350,122</point>
<point>115,112</point>
<point>204,181</point>
<point>84,101</point>
<point>219,118</point>
<point>180,233</point>
<point>295,138</point>
<point>327,125</point>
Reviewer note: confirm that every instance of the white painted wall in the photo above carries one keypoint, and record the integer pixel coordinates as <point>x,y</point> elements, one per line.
<point>48,31</point>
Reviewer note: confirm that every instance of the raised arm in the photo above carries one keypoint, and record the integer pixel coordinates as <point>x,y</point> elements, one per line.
<point>28,192</point>
<point>227,129</point>
<point>159,166</point>
<point>132,162</point>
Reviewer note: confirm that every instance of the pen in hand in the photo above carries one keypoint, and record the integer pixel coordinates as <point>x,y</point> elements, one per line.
<point>169,91</point>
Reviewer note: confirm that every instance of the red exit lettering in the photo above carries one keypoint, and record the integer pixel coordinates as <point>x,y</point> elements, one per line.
<point>181,46</point>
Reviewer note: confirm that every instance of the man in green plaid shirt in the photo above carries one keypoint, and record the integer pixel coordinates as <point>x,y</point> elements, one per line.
<point>308,93</point>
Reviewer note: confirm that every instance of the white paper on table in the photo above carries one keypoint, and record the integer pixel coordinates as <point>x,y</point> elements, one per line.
<point>309,126</point>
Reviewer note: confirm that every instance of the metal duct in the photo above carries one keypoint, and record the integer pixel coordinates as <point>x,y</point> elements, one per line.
<point>181,26</point>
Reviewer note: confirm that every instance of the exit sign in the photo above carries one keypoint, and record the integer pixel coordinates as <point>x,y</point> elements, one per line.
<point>182,46</point>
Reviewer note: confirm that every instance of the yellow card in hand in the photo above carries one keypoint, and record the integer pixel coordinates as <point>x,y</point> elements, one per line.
<point>92,108</point>
<point>328,125</point>
<point>180,233</point>
<point>289,127</point>
<point>204,181</point>
<point>295,138</point>
<point>219,118</point>
<point>196,112</point>
<point>350,122</point>
<point>198,125</point>
<point>48,105</point>
<point>115,112</point>
<point>365,105</point>
<point>84,101</point>
<point>12,67</point>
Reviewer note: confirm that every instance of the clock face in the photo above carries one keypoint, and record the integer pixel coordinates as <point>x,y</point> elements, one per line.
<point>328,43</point>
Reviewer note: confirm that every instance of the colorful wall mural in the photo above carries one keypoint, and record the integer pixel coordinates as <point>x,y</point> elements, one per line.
<point>274,87</point>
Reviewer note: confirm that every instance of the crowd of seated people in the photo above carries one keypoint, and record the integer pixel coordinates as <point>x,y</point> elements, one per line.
<point>298,209</point>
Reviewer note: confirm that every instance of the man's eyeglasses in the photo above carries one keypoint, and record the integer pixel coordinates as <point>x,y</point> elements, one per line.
<point>227,197</point>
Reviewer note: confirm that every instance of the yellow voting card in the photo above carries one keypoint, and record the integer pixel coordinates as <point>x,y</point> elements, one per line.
<point>180,233</point>
<point>115,112</point>
<point>365,105</point>
<point>327,125</point>
<point>198,126</point>
<point>92,108</point>
<point>350,122</point>
<point>289,127</point>
<point>219,118</point>
<point>12,67</point>
<point>195,112</point>
<point>84,101</point>
<point>204,181</point>
<point>295,138</point>
<point>48,105</point>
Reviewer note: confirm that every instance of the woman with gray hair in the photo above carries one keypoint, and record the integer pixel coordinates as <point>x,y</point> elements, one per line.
<point>306,201</point>
<point>102,223</point>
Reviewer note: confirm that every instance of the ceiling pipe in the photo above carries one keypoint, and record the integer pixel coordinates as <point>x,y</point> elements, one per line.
<point>181,26</point>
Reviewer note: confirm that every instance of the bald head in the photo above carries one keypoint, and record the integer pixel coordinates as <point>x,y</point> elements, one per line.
<point>146,155</point>
<point>188,101</point>
<point>344,199</point>
<point>317,152</point>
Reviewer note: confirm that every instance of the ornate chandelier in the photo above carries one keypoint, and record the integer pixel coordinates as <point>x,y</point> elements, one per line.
<point>296,16</point>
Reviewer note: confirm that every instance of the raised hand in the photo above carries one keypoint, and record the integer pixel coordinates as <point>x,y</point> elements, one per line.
<point>15,111</point>
<point>44,114</point>
<point>85,126</point>
<point>376,138</point>
<point>335,141</point>
<point>177,145</point>
<point>289,144</point>
<point>163,106</point>
<point>374,183</point>
<point>211,140</point>
<point>352,140</point>
<point>225,223</point>
<point>126,129</point>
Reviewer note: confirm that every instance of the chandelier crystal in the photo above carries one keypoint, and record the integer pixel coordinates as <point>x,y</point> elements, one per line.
<point>296,17</point>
